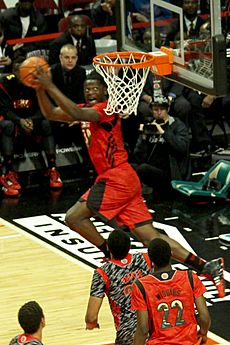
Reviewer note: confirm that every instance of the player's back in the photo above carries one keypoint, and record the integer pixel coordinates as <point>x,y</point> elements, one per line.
<point>119,276</point>
<point>170,301</point>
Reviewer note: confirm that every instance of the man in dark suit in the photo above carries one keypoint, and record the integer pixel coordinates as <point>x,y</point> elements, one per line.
<point>69,77</point>
<point>21,21</point>
<point>191,22</point>
<point>77,34</point>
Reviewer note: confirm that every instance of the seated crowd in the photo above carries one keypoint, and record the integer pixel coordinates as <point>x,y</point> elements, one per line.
<point>171,123</point>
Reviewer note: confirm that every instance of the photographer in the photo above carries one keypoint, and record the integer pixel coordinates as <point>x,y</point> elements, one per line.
<point>162,150</point>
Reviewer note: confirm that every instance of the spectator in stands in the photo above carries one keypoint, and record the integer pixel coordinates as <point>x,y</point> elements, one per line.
<point>114,279</point>
<point>6,53</point>
<point>141,11</point>
<point>162,150</point>
<point>23,20</point>
<point>192,23</point>
<point>69,77</point>
<point>146,40</point>
<point>103,14</point>
<point>185,104</point>
<point>77,34</point>
<point>32,320</point>
<point>23,118</point>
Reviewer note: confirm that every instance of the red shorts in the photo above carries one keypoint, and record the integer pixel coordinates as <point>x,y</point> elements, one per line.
<point>116,198</point>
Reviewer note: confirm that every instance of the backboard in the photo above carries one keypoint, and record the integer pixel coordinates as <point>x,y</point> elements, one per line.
<point>199,61</point>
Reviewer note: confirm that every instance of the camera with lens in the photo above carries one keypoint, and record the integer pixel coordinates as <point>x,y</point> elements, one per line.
<point>150,128</point>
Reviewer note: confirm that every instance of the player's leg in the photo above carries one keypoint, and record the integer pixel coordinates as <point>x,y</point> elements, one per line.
<point>98,201</point>
<point>78,219</point>
<point>147,232</point>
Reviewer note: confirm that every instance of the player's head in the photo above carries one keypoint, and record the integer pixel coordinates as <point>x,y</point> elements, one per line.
<point>31,317</point>
<point>95,89</point>
<point>119,244</point>
<point>159,252</point>
<point>68,57</point>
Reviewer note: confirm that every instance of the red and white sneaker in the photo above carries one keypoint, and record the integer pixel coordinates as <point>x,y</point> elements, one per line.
<point>55,180</point>
<point>12,180</point>
<point>214,270</point>
<point>6,188</point>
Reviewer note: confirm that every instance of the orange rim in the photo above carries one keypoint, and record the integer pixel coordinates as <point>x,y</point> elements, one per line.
<point>125,55</point>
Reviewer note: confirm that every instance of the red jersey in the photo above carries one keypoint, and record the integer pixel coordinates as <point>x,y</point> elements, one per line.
<point>170,304</point>
<point>115,278</point>
<point>104,140</point>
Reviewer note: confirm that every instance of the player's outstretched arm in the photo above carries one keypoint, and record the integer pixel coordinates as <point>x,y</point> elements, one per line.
<point>50,111</point>
<point>70,111</point>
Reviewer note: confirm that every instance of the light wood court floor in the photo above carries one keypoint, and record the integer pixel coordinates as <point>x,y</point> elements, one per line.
<point>32,270</point>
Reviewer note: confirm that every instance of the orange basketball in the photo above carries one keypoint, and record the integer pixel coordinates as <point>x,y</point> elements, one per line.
<point>28,67</point>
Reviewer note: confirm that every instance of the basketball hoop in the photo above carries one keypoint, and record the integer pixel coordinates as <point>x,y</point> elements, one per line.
<point>125,74</point>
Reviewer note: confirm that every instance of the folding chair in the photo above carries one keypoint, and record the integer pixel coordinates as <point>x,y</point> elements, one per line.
<point>214,184</point>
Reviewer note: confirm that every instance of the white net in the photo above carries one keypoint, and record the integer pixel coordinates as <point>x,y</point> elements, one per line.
<point>124,83</point>
<point>200,57</point>
<point>204,67</point>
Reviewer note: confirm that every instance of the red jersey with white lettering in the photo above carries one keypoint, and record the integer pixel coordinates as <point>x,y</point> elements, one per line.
<point>115,278</point>
<point>25,339</point>
<point>116,194</point>
<point>104,140</point>
<point>169,299</point>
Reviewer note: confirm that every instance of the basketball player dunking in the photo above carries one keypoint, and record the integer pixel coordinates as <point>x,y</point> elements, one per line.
<point>115,196</point>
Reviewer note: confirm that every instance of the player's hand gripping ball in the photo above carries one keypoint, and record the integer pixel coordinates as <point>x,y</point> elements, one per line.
<point>27,70</point>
